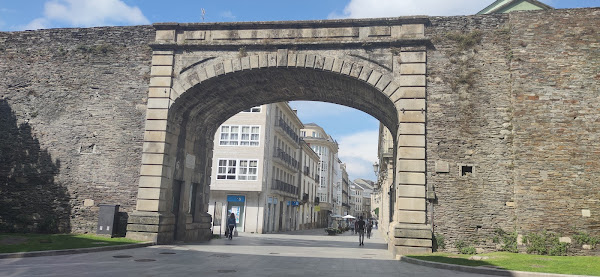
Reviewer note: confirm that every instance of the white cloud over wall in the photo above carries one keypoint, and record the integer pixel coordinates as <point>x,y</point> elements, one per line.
<point>87,13</point>
<point>392,8</point>
<point>359,151</point>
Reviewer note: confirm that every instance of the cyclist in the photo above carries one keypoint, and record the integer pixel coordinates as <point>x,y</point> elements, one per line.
<point>230,225</point>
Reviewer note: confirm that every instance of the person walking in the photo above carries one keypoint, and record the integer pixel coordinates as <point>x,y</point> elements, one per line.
<point>360,229</point>
<point>369,228</point>
<point>231,225</point>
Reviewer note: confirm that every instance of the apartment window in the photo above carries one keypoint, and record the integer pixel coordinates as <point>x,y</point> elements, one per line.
<point>252,110</point>
<point>239,135</point>
<point>303,133</point>
<point>248,170</point>
<point>237,169</point>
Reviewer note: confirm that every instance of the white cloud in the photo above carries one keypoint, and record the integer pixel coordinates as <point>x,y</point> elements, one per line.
<point>88,13</point>
<point>228,15</point>
<point>392,8</point>
<point>359,151</point>
<point>38,23</point>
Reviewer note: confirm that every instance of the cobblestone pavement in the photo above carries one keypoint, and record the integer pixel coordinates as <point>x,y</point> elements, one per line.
<point>299,253</point>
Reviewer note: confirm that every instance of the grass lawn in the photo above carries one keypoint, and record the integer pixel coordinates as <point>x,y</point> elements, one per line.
<point>578,265</point>
<point>10,243</point>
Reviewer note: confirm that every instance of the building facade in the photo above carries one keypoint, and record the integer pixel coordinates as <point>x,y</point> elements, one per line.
<point>257,170</point>
<point>326,147</point>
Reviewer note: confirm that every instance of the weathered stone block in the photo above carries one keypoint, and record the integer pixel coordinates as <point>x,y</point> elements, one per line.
<point>151,181</point>
<point>410,233</point>
<point>162,60</point>
<point>411,117</point>
<point>412,80</point>
<point>408,250</point>
<point>408,92</point>
<point>383,82</point>
<point>411,178</point>
<point>413,30</point>
<point>374,78</point>
<point>148,205</point>
<point>414,153</point>
<point>413,242</point>
<point>411,191</point>
<point>165,35</point>
<point>156,125</point>
<point>411,104</point>
<point>195,35</point>
<point>411,140</point>
<point>151,193</point>
<point>154,147</point>
<point>161,70</point>
<point>152,170</point>
<point>412,204</point>
<point>160,81</point>
<point>411,165</point>
<point>411,216</point>
<point>150,158</point>
<point>158,136</point>
<point>159,103</point>
<point>413,68</point>
<point>442,167</point>
<point>413,57</point>
<point>411,129</point>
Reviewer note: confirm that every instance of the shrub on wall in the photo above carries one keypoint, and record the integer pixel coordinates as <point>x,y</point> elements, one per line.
<point>465,247</point>
<point>508,241</point>
<point>545,243</point>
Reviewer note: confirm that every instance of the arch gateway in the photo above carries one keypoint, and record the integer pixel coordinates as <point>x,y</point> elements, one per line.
<point>491,120</point>
<point>202,74</point>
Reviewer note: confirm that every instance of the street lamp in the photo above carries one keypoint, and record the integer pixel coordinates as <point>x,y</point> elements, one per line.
<point>376,169</point>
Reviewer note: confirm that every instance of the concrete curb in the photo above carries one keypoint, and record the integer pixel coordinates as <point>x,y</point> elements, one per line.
<point>73,251</point>
<point>483,270</point>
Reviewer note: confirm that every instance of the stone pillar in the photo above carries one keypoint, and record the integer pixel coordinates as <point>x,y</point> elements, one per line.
<point>411,232</point>
<point>153,220</point>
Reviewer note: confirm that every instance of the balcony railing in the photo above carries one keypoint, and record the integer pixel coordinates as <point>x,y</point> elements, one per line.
<point>288,130</point>
<point>286,158</point>
<point>284,187</point>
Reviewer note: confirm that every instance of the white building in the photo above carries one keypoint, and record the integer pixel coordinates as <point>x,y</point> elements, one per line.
<point>256,171</point>
<point>327,149</point>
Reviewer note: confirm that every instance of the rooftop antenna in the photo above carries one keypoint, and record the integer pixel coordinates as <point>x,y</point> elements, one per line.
<point>203,13</point>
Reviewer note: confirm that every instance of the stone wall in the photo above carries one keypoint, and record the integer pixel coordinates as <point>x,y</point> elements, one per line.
<point>82,93</point>
<point>514,97</point>
<point>468,125</point>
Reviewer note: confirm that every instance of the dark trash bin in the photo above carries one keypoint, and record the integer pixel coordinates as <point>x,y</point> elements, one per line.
<point>108,220</point>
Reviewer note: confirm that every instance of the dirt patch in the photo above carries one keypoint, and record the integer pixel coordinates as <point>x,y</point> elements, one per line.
<point>12,240</point>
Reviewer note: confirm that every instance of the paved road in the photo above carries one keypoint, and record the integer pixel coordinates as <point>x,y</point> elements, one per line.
<point>300,253</point>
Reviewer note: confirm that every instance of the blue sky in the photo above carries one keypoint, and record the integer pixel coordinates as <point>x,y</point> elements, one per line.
<point>355,131</point>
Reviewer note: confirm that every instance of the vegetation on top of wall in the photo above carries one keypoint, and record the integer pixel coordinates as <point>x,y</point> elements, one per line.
<point>242,52</point>
<point>545,243</point>
<point>464,41</point>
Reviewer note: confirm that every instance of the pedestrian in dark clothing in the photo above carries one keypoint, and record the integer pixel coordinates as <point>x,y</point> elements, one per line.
<point>369,228</point>
<point>231,225</point>
<point>360,229</point>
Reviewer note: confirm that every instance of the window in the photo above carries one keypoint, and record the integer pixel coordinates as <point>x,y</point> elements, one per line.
<point>246,170</point>
<point>252,110</point>
<point>240,135</point>
<point>226,169</point>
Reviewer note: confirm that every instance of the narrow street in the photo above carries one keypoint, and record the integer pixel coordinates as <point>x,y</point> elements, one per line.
<point>299,253</point>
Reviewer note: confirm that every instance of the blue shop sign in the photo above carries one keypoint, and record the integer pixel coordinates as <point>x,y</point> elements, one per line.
<point>295,203</point>
<point>236,198</point>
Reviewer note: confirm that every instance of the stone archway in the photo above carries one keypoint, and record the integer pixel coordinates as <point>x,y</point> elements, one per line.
<point>204,73</point>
